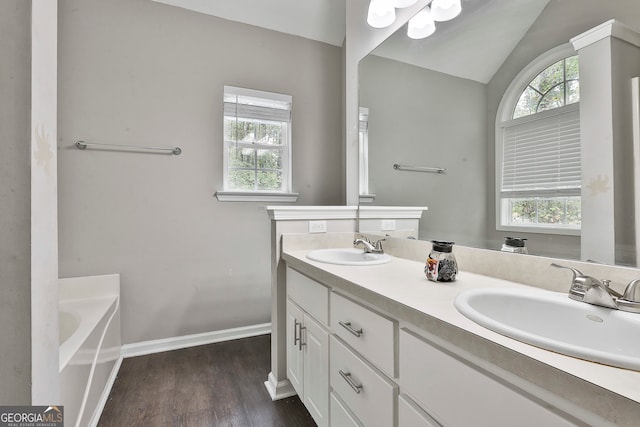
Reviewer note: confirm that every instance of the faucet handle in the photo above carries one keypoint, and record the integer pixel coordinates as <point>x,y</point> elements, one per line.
<point>632,291</point>
<point>378,245</point>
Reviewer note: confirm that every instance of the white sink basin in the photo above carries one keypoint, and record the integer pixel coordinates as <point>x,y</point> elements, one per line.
<point>552,321</point>
<point>347,256</point>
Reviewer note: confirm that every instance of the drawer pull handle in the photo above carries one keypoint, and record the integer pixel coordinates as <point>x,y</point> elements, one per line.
<point>347,377</point>
<point>347,326</point>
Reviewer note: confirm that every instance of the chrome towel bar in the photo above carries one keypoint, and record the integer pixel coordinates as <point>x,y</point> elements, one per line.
<point>399,167</point>
<point>83,145</point>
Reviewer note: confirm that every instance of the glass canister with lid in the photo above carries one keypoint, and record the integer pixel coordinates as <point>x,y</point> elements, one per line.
<point>441,264</point>
<point>514,245</point>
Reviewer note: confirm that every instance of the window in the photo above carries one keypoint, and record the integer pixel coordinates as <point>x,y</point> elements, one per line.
<point>538,148</point>
<point>257,145</point>
<point>363,151</point>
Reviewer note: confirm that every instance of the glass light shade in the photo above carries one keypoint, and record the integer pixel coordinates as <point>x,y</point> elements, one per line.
<point>421,25</point>
<point>403,3</point>
<point>381,13</point>
<point>444,10</point>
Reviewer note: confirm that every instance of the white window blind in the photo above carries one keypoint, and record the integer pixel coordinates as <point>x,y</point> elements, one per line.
<point>237,105</point>
<point>541,155</point>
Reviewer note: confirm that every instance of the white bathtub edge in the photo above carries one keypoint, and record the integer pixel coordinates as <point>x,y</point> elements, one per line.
<point>97,413</point>
<point>71,288</point>
<point>91,312</point>
<point>175,343</point>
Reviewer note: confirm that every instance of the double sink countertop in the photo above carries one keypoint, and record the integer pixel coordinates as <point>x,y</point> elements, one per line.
<point>401,289</point>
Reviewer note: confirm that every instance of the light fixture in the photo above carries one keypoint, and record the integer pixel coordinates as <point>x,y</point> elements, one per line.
<point>381,14</point>
<point>421,25</point>
<point>400,4</point>
<point>444,10</point>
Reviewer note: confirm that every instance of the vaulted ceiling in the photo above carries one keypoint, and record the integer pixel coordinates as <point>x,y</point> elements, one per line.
<point>472,46</point>
<point>321,20</point>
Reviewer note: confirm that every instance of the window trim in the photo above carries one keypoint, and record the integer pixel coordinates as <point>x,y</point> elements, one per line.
<point>286,195</point>
<point>505,114</point>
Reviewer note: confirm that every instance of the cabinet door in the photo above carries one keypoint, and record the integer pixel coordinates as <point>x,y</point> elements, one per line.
<point>295,360</point>
<point>316,370</point>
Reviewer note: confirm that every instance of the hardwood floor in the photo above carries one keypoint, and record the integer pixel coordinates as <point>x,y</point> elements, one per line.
<point>212,385</point>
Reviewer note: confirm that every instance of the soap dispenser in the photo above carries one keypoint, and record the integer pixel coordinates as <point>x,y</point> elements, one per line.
<point>441,264</point>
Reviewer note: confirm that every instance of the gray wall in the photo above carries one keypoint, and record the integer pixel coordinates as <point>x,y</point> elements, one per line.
<point>139,72</point>
<point>15,208</point>
<point>559,22</point>
<point>425,118</point>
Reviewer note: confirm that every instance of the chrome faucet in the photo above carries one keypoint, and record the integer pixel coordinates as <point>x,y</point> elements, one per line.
<point>370,248</point>
<point>597,292</point>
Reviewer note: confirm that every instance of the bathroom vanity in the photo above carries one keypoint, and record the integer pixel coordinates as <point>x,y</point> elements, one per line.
<point>379,345</point>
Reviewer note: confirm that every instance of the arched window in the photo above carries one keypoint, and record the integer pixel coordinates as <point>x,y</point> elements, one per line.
<point>556,86</point>
<point>538,147</point>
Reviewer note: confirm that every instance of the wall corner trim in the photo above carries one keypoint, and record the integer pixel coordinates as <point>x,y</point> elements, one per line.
<point>611,28</point>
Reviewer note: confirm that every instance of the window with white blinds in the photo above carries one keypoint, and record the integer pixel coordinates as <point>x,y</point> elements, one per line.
<point>538,149</point>
<point>541,155</point>
<point>257,141</point>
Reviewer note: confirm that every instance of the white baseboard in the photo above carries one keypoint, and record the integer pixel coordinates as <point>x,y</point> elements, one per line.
<point>185,341</point>
<point>105,393</point>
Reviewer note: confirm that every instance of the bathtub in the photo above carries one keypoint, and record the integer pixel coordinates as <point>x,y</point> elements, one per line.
<point>90,345</point>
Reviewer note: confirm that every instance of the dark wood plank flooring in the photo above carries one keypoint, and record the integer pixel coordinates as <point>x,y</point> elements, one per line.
<point>212,385</point>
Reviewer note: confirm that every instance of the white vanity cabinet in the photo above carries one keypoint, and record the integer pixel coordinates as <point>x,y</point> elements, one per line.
<point>354,364</point>
<point>459,395</point>
<point>308,343</point>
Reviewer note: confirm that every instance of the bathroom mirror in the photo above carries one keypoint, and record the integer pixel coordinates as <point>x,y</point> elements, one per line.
<point>433,103</point>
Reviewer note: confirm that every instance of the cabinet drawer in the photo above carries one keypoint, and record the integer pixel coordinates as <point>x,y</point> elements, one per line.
<point>369,333</point>
<point>340,416</point>
<point>310,295</point>
<point>409,415</point>
<point>369,395</point>
<point>460,395</point>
